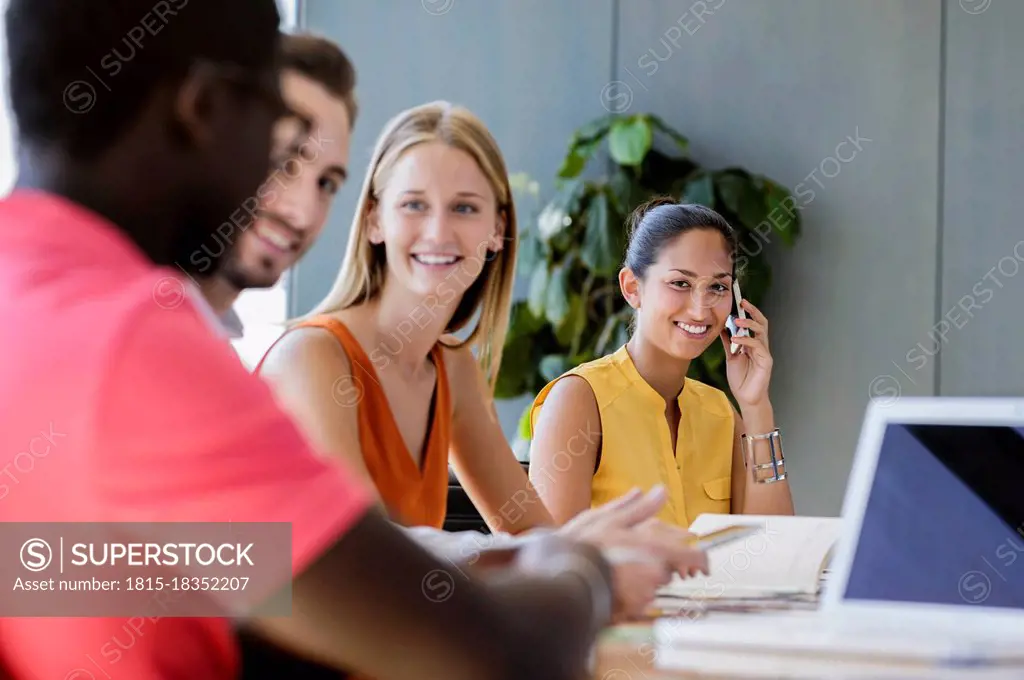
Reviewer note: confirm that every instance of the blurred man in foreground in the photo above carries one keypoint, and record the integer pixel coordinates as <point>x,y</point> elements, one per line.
<point>151,417</point>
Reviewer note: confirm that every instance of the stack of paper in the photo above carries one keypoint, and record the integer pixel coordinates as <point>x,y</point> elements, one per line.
<point>788,558</point>
<point>735,664</point>
<point>865,639</point>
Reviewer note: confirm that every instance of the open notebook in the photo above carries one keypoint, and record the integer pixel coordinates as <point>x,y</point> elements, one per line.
<point>789,556</point>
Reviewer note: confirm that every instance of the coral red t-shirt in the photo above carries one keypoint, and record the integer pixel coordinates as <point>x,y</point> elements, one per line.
<point>119,402</point>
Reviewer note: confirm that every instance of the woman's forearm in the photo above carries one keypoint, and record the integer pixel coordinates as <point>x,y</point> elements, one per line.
<point>763,499</point>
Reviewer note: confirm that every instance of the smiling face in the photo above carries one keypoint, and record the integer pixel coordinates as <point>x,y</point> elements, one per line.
<point>685,296</point>
<point>437,218</point>
<point>295,200</point>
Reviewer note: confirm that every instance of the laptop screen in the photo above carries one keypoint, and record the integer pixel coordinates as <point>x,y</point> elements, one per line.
<point>944,522</point>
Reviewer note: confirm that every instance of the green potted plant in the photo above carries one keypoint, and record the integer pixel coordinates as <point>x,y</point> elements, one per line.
<point>572,251</point>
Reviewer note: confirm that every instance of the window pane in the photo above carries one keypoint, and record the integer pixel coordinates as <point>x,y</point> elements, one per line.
<point>262,313</point>
<point>7,166</point>
<point>289,10</point>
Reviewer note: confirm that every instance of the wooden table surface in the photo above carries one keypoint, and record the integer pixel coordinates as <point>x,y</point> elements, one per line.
<point>628,652</point>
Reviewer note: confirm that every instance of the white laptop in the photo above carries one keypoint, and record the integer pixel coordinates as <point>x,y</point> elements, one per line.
<point>930,561</point>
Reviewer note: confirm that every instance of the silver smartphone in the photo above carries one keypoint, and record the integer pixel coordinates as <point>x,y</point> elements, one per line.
<point>737,310</point>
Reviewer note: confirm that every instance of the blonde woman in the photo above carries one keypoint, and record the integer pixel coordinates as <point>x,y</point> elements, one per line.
<point>374,375</point>
<point>374,372</point>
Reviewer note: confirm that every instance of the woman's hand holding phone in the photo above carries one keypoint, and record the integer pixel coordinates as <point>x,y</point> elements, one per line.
<point>749,369</point>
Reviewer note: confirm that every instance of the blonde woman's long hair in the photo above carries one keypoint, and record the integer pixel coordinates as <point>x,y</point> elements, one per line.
<point>362,272</point>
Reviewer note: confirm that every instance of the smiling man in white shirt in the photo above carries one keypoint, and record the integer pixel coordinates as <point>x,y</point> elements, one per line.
<point>279,224</point>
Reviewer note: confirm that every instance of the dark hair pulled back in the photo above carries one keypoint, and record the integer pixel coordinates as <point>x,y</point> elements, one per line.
<point>660,220</point>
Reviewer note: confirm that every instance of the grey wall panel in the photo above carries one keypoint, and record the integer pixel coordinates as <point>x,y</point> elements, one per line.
<point>982,264</point>
<point>777,87</point>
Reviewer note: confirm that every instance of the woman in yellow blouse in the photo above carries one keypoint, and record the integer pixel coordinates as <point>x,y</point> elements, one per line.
<point>633,418</point>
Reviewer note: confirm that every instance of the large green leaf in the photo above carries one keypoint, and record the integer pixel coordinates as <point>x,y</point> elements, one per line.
<point>700,190</point>
<point>584,143</point>
<point>602,241</point>
<point>576,160</point>
<point>626,191</point>
<point>783,213</point>
<point>583,357</point>
<point>681,141</point>
<point>543,343</point>
<point>573,165</point>
<point>525,428</point>
<point>523,322</point>
<point>661,173</point>
<point>756,277</point>
<point>531,253</point>
<point>516,368</point>
<point>570,196</point>
<point>714,356</point>
<point>629,140</point>
<point>596,129</point>
<point>557,301</point>
<point>558,216</point>
<point>621,335</point>
<point>574,322</point>
<point>731,188</point>
<point>608,335</point>
<point>538,294</point>
<point>741,197</point>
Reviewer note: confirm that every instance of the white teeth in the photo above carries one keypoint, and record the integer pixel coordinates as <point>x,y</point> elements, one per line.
<point>696,330</point>
<point>274,237</point>
<point>435,259</point>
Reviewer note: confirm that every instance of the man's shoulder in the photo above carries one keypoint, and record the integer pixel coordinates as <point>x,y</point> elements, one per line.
<point>166,313</point>
<point>146,299</point>
<point>68,268</point>
<point>130,318</point>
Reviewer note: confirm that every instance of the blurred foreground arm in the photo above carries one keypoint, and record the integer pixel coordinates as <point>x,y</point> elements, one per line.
<point>376,591</point>
<point>643,552</point>
<point>361,589</point>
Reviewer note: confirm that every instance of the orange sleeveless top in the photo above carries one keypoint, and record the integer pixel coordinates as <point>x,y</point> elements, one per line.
<point>414,496</point>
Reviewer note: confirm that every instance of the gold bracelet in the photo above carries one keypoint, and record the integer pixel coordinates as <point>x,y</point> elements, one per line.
<point>776,467</point>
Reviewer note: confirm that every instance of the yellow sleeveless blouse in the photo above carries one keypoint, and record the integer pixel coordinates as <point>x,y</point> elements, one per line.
<point>636,450</point>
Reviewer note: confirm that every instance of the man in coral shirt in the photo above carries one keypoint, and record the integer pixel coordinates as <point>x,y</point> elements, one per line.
<point>142,127</point>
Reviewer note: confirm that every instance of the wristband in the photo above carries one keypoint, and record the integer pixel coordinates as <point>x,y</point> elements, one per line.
<point>775,468</point>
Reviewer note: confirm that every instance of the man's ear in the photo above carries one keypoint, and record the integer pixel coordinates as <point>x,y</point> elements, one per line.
<point>193,104</point>
<point>630,287</point>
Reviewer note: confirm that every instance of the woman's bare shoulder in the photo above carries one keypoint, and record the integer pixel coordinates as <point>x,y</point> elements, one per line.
<point>306,347</point>
<point>572,392</point>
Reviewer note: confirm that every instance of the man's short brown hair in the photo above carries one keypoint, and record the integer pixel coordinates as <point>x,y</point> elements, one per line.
<point>321,60</point>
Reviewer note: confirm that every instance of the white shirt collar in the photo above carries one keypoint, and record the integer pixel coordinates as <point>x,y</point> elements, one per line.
<point>206,311</point>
